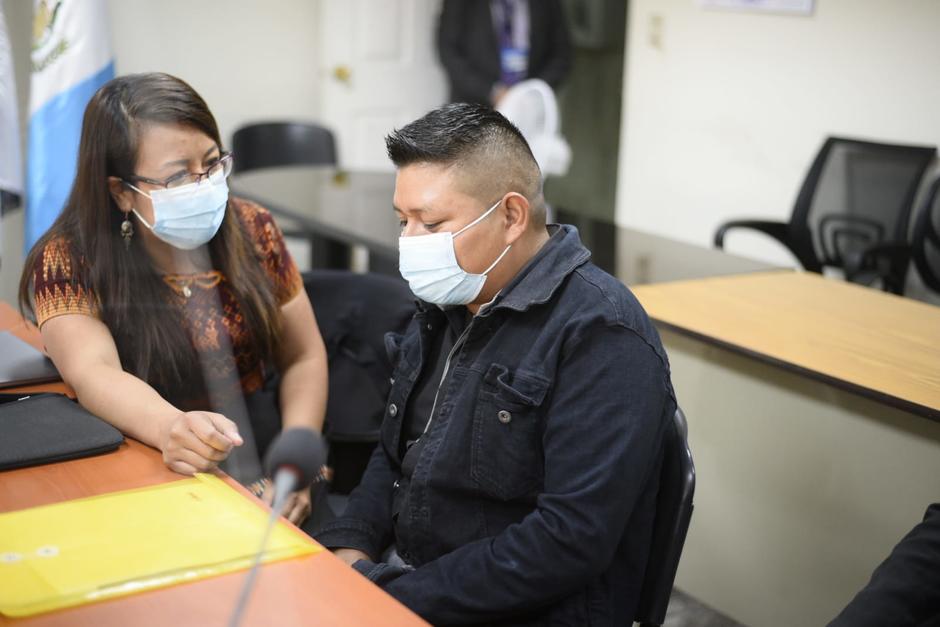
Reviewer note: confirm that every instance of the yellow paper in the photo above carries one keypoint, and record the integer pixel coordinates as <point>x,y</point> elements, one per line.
<point>115,544</point>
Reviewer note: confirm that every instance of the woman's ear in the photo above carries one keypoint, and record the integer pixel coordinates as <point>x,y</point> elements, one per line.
<point>121,194</point>
<point>517,216</point>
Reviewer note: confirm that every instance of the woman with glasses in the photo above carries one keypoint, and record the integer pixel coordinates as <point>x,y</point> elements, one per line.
<point>169,306</point>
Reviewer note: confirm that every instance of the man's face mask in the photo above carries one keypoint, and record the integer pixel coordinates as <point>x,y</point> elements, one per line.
<point>429,264</point>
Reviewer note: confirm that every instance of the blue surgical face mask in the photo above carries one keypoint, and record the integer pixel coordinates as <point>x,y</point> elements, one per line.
<point>429,264</point>
<point>189,216</point>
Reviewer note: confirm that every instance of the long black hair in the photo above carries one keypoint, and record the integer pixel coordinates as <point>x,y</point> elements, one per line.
<point>131,297</point>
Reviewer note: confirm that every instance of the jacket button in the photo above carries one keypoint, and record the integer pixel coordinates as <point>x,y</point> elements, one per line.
<point>504,416</point>
<point>391,380</point>
<point>430,327</point>
<point>396,485</point>
<point>393,410</point>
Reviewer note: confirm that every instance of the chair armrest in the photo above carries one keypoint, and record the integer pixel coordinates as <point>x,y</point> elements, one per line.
<point>886,260</point>
<point>776,230</point>
<point>889,252</point>
<point>896,251</point>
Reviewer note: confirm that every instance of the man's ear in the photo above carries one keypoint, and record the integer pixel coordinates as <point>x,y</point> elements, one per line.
<point>121,193</point>
<point>517,216</point>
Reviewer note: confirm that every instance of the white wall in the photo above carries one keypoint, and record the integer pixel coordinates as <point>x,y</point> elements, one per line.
<point>249,60</point>
<point>722,119</point>
<point>18,14</point>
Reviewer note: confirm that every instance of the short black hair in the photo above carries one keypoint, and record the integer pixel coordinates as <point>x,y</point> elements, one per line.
<point>491,151</point>
<point>448,133</point>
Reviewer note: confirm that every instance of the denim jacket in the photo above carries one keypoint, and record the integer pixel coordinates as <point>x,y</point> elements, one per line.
<point>533,498</point>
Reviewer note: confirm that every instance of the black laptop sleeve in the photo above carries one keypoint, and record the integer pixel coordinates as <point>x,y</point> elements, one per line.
<point>47,428</point>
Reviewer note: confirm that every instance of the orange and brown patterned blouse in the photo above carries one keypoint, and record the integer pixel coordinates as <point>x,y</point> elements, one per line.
<point>205,300</point>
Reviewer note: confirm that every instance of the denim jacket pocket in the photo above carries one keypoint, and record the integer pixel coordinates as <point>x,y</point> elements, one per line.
<point>506,456</point>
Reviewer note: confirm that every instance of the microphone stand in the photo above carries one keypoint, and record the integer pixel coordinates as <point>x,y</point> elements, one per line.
<point>283,482</point>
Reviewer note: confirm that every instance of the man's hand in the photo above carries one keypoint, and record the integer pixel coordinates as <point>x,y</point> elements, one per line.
<point>350,556</point>
<point>296,508</point>
<point>197,441</point>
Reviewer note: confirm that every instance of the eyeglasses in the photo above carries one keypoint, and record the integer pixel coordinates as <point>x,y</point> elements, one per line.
<point>222,166</point>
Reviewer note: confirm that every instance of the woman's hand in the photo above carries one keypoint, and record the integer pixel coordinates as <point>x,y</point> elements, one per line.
<point>196,441</point>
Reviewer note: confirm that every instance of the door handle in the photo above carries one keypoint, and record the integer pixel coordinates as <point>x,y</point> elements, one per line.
<point>342,73</point>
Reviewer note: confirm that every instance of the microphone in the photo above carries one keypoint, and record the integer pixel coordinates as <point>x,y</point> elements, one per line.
<point>293,459</point>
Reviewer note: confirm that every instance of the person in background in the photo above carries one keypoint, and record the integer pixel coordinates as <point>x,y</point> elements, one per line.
<point>164,302</point>
<point>904,591</point>
<point>519,459</point>
<point>487,46</point>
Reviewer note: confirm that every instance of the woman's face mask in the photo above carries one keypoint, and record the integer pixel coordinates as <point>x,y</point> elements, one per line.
<point>189,216</point>
<point>429,264</point>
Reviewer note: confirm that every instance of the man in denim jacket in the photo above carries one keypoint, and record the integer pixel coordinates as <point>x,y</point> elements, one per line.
<point>516,476</point>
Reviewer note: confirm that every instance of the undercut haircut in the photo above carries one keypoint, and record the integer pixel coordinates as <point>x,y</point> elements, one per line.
<point>488,154</point>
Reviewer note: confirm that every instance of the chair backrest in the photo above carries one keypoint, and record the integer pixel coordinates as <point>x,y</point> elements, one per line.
<point>673,513</point>
<point>354,312</point>
<point>531,105</point>
<point>273,144</point>
<point>856,195</point>
<point>925,242</point>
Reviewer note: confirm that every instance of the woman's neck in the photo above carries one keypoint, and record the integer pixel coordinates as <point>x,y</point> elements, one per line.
<point>171,260</point>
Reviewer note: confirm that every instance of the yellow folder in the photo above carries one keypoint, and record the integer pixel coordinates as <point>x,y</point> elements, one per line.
<point>115,544</point>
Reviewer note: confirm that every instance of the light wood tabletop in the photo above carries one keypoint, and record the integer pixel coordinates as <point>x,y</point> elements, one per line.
<point>881,346</point>
<point>315,589</point>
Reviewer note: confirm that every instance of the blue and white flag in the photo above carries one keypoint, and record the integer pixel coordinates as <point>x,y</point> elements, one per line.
<point>11,164</point>
<point>71,59</point>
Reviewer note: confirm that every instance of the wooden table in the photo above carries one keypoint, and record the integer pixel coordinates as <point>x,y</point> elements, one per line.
<point>350,208</point>
<point>878,345</point>
<point>311,590</point>
<point>806,399</point>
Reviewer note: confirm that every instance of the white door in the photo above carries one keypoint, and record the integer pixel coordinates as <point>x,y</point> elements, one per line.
<point>379,70</point>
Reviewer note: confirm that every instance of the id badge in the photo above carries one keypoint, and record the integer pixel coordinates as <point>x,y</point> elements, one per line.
<point>514,62</point>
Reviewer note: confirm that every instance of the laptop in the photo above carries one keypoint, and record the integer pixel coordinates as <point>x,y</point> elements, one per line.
<point>21,364</point>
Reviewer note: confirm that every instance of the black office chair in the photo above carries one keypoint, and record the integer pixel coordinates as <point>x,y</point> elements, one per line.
<point>852,211</point>
<point>925,240</point>
<point>673,513</point>
<point>9,200</point>
<point>354,312</point>
<point>273,144</point>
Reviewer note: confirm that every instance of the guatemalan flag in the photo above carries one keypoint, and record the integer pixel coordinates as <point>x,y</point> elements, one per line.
<point>71,59</point>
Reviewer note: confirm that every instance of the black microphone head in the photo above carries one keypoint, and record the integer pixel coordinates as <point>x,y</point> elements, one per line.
<point>300,448</point>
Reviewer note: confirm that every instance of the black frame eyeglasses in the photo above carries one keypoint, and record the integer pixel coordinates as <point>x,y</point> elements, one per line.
<point>222,165</point>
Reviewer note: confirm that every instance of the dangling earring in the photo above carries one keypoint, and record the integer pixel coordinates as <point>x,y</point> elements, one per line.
<point>127,230</point>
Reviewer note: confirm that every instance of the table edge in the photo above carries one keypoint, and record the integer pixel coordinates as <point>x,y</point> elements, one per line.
<point>312,224</point>
<point>885,398</point>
